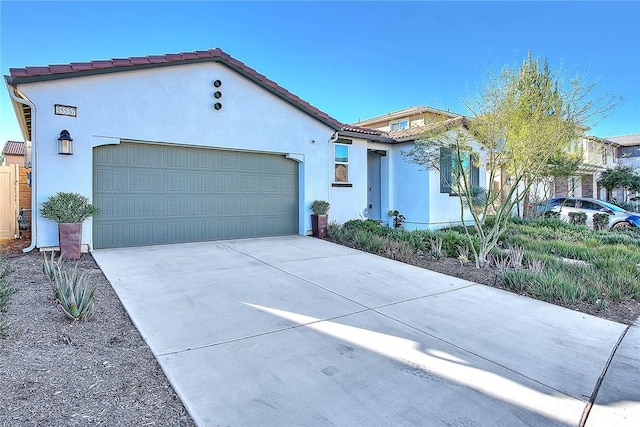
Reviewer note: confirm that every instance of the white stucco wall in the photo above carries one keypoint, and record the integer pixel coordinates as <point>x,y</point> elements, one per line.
<point>174,105</point>
<point>350,202</point>
<point>416,194</point>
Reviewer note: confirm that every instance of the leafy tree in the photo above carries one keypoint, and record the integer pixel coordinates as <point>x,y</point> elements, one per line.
<point>522,126</point>
<point>621,176</point>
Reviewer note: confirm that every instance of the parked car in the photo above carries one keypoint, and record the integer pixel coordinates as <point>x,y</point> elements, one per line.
<point>618,217</point>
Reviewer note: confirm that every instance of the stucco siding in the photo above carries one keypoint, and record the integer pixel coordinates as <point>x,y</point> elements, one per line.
<point>411,194</point>
<point>173,105</point>
<point>350,202</point>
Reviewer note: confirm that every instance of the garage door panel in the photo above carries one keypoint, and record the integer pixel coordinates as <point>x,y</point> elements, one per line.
<point>155,194</point>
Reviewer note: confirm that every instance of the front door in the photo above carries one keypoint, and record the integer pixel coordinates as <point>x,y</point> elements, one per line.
<point>373,185</point>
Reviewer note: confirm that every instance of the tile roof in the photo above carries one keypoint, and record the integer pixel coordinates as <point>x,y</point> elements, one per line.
<point>626,140</point>
<point>13,148</point>
<point>74,69</point>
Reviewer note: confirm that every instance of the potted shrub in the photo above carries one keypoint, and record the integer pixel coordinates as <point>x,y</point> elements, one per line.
<point>69,210</point>
<point>319,218</point>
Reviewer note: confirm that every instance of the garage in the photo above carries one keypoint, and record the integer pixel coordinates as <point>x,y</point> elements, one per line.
<point>151,194</point>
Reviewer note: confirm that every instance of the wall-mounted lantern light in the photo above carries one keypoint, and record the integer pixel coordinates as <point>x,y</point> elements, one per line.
<point>65,143</point>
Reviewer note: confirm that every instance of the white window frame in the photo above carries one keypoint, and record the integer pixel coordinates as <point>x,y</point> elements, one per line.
<point>399,123</point>
<point>336,162</point>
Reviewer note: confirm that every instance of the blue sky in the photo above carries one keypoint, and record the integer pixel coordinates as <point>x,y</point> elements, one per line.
<point>353,60</point>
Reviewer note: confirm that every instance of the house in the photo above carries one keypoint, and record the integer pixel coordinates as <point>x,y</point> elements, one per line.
<point>14,153</point>
<point>15,190</point>
<point>188,147</point>
<point>628,154</point>
<point>598,154</point>
<point>628,149</point>
<point>425,197</point>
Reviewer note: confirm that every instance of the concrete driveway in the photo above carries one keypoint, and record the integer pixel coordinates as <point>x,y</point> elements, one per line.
<point>299,331</point>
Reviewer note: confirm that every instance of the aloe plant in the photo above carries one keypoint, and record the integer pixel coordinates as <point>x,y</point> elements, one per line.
<point>50,265</point>
<point>73,294</point>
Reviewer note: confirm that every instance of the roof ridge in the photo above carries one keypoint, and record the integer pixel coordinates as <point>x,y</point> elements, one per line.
<point>29,74</point>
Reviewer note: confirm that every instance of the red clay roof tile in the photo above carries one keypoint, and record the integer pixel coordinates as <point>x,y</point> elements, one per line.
<point>139,60</point>
<point>13,148</point>
<point>222,56</point>
<point>101,64</point>
<point>81,66</point>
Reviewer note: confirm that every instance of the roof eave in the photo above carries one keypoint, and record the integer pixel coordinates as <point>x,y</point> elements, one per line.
<point>367,136</point>
<point>17,109</point>
<point>329,121</point>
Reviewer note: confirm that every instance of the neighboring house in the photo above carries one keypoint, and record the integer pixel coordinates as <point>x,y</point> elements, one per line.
<point>424,197</point>
<point>628,152</point>
<point>14,153</point>
<point>598,154</point>
<point>189,147</point>
<point>15,190</point>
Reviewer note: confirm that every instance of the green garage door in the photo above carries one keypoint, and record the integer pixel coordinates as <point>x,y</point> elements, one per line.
<point>152,194</point>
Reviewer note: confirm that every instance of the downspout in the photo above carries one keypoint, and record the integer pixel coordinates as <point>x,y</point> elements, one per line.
<point>34,182</point>
<point>332,139</point>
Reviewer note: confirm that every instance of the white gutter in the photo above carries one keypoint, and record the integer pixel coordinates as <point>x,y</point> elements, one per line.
<point>34,182</point>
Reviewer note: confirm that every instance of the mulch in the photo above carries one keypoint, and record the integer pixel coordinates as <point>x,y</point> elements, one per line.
<point>56,372</point>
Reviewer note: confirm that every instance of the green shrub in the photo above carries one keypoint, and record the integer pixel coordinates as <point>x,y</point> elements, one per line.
<point>578,218</point>
<point>600,221</point>
<point>452,240</point>
<point>399,250</point>
<point>68,208</point>
<point>320,207</point>
<point>551,215</point>
<point>367,241</point>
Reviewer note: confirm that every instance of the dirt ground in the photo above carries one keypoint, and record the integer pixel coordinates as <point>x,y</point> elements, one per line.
<point>55,372</point>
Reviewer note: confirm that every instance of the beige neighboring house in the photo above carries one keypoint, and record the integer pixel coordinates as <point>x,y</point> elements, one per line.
<point>409,120</point>
<point>15,193</point>
<point>14,153</point>
<point>598,154</point>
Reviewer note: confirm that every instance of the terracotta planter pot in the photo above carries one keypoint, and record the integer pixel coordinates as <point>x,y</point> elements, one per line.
<point>319,224</point>
<point>70,236</point>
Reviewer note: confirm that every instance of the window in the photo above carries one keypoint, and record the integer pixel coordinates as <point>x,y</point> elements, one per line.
<point>341,163</point>
<point>399,125</point>
<point>585,204</point>
<point>450,178</point>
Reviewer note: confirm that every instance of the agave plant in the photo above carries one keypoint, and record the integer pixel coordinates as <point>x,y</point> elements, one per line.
<point>74,295</point>
<point>50,265</point>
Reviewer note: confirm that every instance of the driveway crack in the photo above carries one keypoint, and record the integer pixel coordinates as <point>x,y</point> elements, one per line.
<point>596,390</point>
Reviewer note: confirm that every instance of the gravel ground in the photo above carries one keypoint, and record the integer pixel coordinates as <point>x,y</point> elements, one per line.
<point>55,372</point>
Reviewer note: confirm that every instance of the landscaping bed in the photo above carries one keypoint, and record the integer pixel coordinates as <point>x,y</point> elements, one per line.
<point>55,372</point>
<point>594,272</point>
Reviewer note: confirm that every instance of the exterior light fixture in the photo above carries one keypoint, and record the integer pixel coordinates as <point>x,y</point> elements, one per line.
<point>65,143</point>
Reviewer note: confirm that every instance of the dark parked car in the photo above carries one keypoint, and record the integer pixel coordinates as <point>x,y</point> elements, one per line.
<point>618,217</point>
